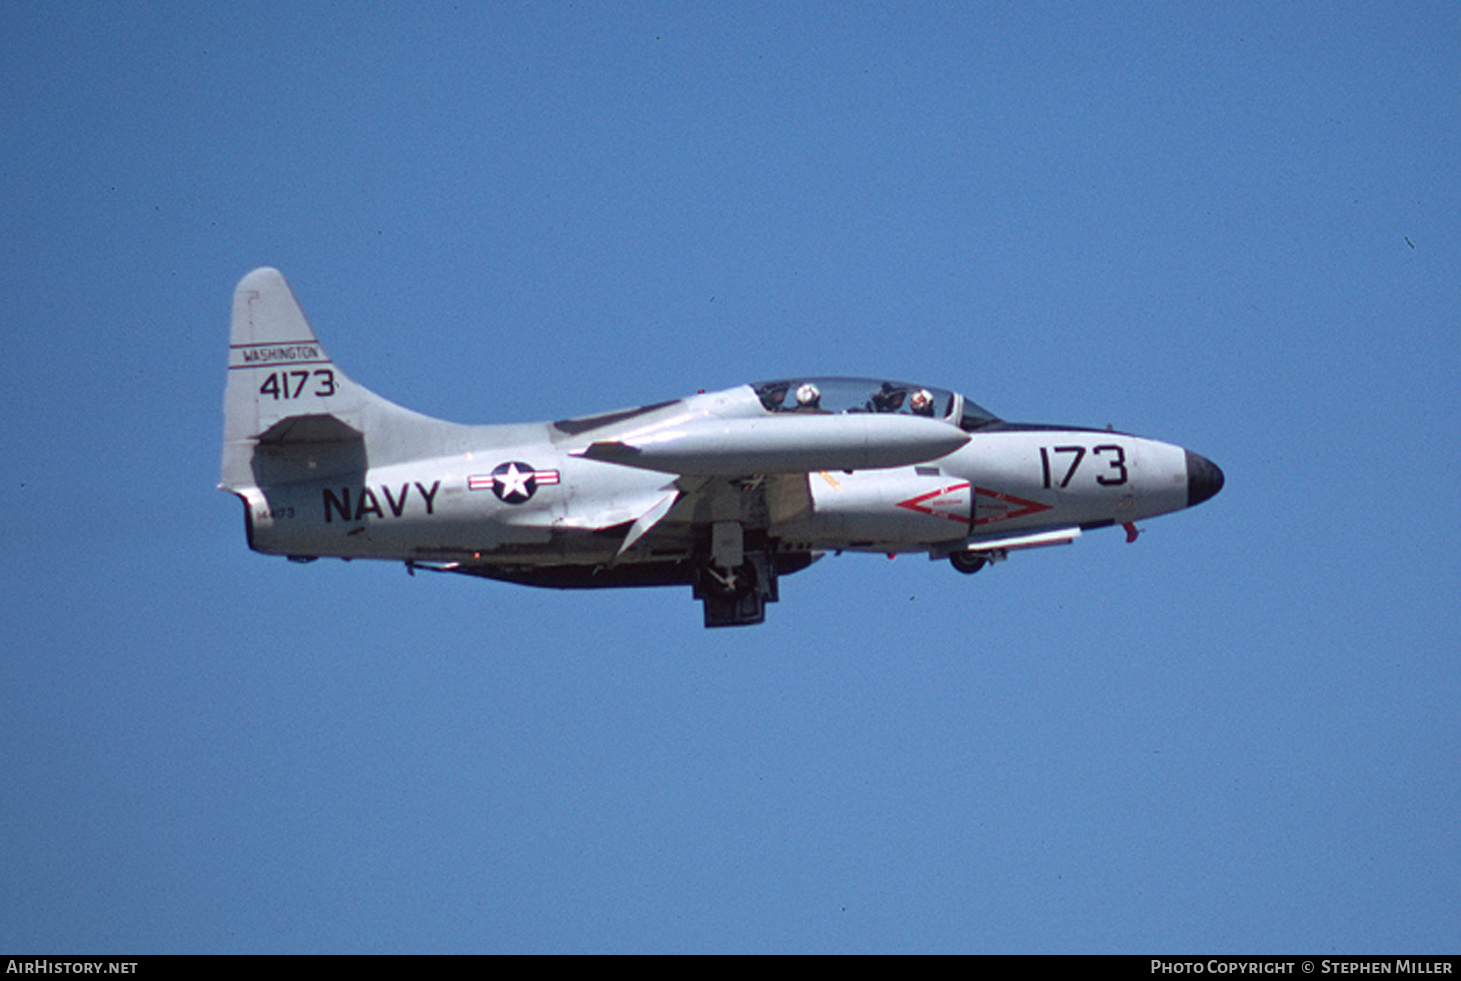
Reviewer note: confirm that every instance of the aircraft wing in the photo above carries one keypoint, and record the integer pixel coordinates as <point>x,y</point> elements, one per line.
<point>694,502</point>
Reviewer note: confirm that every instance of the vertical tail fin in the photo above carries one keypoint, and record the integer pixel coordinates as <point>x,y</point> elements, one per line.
<point>289,413</point>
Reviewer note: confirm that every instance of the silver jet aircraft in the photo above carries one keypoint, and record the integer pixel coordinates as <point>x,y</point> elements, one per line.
<point>724,491</point>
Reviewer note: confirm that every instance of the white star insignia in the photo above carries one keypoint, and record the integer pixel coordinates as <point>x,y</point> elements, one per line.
<point>514,481</point>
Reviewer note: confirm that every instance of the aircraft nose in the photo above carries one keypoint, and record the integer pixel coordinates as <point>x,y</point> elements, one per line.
<point>1204,479</point>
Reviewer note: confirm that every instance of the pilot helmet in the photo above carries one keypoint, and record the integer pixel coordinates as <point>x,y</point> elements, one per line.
<point>922,402</point>
<point>808,395</point>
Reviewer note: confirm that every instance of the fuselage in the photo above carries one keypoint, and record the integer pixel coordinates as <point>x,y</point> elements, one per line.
<point>527,495</point>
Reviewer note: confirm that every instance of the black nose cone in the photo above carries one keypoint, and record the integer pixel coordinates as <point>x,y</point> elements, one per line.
<point>1204,479</point>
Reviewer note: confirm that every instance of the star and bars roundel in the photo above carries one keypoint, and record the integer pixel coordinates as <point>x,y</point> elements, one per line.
<point>513,483</point>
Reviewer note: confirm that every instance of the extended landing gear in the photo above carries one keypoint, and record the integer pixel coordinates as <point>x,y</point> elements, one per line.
<point>968,562</point>
<point>735,585</point>
<point>736,598</point>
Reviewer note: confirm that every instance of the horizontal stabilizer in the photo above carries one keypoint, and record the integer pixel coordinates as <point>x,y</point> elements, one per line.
<point>781,444</point>
<point>308,430</point>
<point>306,448</point>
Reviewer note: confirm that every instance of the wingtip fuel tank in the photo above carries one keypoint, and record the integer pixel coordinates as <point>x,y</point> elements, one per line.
<point>782,445</point>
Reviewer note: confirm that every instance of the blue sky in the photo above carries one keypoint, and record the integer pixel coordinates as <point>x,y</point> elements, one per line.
<point>1236,227</point>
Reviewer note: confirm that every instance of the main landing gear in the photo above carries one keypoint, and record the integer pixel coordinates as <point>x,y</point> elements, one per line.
<point>734,584</point>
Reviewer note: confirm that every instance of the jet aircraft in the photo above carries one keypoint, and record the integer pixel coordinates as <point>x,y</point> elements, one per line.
<point>724,492</point>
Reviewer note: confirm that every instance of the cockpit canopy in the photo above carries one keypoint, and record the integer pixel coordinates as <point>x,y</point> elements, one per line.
<point>811,396</point>
<point>847,395</point>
